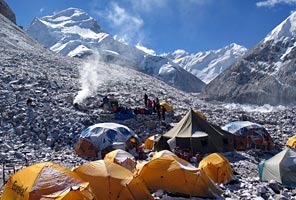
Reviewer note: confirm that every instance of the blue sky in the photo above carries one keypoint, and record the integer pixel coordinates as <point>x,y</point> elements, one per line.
<point>167,25</point>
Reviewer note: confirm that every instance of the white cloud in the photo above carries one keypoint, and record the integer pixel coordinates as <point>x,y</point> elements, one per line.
<point>127,25</point>
<point>272,3</point>
<point>150,5</point>
<point>145,49</point>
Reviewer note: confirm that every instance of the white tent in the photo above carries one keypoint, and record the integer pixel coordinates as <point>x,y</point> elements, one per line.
<point>281,168</point>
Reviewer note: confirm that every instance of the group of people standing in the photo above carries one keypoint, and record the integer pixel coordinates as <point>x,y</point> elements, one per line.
<point>155,106</point>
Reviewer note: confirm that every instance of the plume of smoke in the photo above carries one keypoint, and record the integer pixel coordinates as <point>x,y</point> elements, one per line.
<point>95,73</point>
<point>90,78</point>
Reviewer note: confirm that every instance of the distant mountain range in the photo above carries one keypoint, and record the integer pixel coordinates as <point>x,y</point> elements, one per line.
<point>74,33</point>
<point>265,75</point>
<point>208,65</point>
<point>262,75</point>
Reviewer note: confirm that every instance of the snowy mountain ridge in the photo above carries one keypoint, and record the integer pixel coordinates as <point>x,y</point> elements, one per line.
<point>208,65</point>
<point>74,33</point>
<point>264,75</point>
<point>286,29</point>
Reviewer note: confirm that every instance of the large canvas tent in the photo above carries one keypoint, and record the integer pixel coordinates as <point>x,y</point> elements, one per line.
<point>281,168</point>
<point>98,137</point>
<point>249,135</point>
<point>197,135</point>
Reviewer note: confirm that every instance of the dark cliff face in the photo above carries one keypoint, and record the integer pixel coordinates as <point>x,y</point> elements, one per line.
<point>7,12</point>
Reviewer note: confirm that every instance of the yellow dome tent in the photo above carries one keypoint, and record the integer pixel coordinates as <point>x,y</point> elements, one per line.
<point>291,142</point>
<point>39,180</point>
<point>217,167</point>
<point>111,181</point>
<point>73,193</point>
<point>122,158</point>
<point>167,106</point>
<point>176,175</point>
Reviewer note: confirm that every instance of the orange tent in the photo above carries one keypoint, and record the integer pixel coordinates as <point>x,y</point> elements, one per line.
<point>39,180</point>
<point>217,167</point>
<point>291,142</point>
<point>73,193</point>
<point>111,181</point>
<point>122,158</point>
<point>86,148</point>
<point>150,141</point>
<point>176,175</point>
<point>248,135</point>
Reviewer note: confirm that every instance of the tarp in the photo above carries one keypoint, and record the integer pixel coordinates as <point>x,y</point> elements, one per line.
<point>122,158</point>
<point>39,180</point>
<point>100,136</point>
<point>111,181</point>
<point>198,135</point>
<point>217,167</point>
<point>166,105</point>
<point>249,135</point>
<point>124,114</point>
<point>281,168</point>
<point>291,142</point>
<point>177,176</point>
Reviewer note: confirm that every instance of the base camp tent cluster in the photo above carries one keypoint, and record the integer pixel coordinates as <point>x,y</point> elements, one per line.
<point>107,179</point>
<point>121,176</point>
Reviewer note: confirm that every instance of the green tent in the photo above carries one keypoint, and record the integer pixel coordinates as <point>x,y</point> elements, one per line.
<point>197,135</point>
<point>281,168</point>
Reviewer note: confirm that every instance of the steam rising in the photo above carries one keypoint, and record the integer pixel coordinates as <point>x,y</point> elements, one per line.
<point>89,80</point>
<point>94,74</point>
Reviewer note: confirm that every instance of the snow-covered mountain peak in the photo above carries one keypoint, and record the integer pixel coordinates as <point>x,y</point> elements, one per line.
<point>71,17</point>
<point>180,53</point>
<point>209,64</point>
<point>286,29</point>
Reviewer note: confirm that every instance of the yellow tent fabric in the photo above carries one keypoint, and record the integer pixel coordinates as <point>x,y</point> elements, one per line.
<point>291,142</point>
<point>217,167</point>
<point>176,175</point>
<point>122,158</point>
<point>201,115</point>
<point>111,181</point>
<point>35,181</point>
<point>73,193</point>
<point>150,141</point>
<point>167,106</point>
<point>163,153</point>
